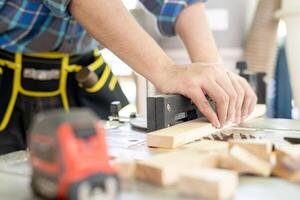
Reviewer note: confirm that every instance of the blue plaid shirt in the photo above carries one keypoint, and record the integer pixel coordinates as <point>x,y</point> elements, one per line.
<point>46,25</point>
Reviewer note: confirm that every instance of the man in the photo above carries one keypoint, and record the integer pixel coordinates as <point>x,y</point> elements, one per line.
<point>32,81</point>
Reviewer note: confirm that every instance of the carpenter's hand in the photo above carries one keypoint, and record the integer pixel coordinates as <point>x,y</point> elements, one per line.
<point>234,98</point>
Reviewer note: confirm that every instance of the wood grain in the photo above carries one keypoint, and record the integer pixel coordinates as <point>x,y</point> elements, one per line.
<point>165,169</point>
<point>125,168</point>
<point>244,161</point>
<point>209,184</point>
<point>288,163</point>
<point>259,148</point>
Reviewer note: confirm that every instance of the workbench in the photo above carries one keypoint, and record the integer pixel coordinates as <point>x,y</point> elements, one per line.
<point>123,141</point>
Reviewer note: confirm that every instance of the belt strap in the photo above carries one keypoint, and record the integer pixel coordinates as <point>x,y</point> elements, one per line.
<point>17,88</point>
<point>16,65</point>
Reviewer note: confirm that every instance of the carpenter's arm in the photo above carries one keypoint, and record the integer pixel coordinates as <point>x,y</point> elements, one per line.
<point>113,26</point>
<point>192,27</point>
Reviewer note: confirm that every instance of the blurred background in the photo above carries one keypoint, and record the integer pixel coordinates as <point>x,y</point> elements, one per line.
<point>250,30</point>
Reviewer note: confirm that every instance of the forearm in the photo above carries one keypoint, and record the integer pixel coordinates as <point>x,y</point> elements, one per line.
<point>112,25</point>
<point>193,29</point>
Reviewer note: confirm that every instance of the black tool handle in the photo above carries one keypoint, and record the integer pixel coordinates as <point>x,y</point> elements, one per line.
<point>86,77</point>
<point>115,107</point>
<point>242,67</point>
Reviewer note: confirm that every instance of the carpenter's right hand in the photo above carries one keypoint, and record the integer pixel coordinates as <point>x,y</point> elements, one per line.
<point>234,98</point>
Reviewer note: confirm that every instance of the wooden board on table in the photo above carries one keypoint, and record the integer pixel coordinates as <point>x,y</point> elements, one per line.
<point>288,163</point>
<point>165,169</point>
<point>262,149</point>
<point>209,184</point>
<point>187,132</point>
<point>244,161</point>
<point>125,168</point>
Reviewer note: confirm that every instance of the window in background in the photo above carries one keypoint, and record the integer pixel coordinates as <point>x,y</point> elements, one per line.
<point>123,72</point>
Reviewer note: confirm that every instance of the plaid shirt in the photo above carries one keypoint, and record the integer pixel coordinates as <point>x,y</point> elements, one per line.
<point>46,25</point>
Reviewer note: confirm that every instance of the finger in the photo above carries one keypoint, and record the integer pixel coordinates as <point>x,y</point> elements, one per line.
<point>218,95</point>
<point>252,104</point>
<point>203,105</point>
<point>227,86</point>
<point>240,97</point>
<point>249,99</point>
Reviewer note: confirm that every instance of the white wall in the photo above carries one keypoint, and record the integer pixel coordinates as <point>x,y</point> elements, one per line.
<point>230,20</point>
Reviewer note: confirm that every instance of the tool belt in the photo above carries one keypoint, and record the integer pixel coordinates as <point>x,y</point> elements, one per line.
<point>48,75</point>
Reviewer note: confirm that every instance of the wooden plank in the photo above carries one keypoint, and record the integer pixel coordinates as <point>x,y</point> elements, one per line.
<point>164,169</point>
<point>288,163</point>
<point>209,184</point>
<point>259,148</point>
<point>125,168</point>
<point>243,161</point>
<point>187,132</point>
<point>180,134</point>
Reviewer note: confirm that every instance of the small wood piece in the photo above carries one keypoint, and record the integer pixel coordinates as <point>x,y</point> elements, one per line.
<point>224,160</point>
<point>245,158</point>
<point>164,169</point>
<point>125,168</point>
<point>209,184</point>
<point>260,148</point>
<point>187,132</point>
<point>205,146</point>
<point>288,163</point>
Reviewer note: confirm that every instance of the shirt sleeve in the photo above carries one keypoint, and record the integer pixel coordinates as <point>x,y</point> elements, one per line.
<point>166,12</point>
<point>58,7</point>
<point>2,2</point>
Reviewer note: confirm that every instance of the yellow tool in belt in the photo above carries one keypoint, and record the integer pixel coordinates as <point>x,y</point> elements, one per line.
<point>65,69</point>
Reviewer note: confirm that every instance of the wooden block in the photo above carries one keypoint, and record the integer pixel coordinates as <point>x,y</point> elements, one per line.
<point>209,184</point>
<point>288,163</point>
<point>187,132</point>
<point>165,169</point>
<point>125,168</point>
<point>224,161</point>
<point>259,148</point>
<point>180,134</point>
<point>243,161</point>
